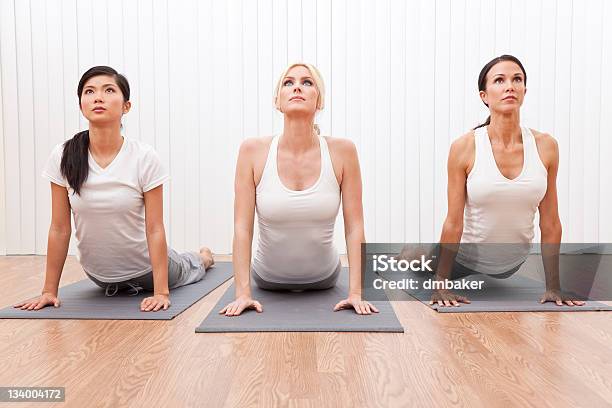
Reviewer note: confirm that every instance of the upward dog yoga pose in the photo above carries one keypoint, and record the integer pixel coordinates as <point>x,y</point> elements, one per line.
<point>113,186</point>
<point>294,181</point>
<point>499,174</point>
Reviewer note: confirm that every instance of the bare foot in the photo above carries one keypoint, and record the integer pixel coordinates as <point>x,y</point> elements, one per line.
<point>207,257</point>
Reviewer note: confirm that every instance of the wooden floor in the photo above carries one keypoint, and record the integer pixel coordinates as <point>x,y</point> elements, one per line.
<point>472,360</point>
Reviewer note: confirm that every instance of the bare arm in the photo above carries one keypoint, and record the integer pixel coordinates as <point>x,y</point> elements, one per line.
<point>156,239</point>
<point>352,209</point>
<point>459,161</point>
<point>57,250</point>
<point>244,217</point>
<point>59,238</point>
<point>550,224</point>
<point>158,250</point>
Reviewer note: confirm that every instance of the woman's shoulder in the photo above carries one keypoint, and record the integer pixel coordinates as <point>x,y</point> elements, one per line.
<point>255,145</point>
<point>341,145</point>
<point>464,144</point>
<point>547,146</point>
<point>544,139</point>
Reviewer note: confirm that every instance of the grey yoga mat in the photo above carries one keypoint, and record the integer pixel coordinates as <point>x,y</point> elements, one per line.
<point>307,311</point>
<point>514,294</point>
<point>85,300</point>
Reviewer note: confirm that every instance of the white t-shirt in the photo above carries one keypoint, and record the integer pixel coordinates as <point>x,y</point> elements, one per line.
<point>109,214</point>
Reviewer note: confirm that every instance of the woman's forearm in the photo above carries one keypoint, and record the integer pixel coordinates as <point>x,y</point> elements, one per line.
<point>449,245</point>
<point>57,250</point>
<point>241,259</point>
<point>551,242</point>
<point>158,253</point>
<point>354,239</point>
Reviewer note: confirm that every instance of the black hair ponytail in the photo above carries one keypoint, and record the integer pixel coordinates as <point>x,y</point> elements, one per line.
<point>75,160</point>
<point>486,123</point>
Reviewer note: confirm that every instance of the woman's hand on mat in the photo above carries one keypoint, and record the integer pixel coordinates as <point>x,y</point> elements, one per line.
<point>155,303</point>
<point>355,302</point>
<point>560,298</point>
<point>241,304</point>
<point>446,298</point>
<point>46,299</point>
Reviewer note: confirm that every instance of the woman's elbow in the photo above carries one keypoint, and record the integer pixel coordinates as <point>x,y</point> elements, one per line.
<point>62,229</point>
<point>452,227</point>
<point>551,228</point>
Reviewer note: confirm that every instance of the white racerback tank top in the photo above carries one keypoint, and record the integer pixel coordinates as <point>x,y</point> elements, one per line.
<point>499,210</point>
<point>296,228</point>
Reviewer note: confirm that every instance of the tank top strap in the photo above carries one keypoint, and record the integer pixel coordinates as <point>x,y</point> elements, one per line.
<point>529,145</point>
<point>481,153</point>
<point>269,173</point>
<point>326,162</point>
<point>327,166</point>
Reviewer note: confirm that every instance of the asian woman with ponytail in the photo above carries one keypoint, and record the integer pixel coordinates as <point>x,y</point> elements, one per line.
<point>113,186</point>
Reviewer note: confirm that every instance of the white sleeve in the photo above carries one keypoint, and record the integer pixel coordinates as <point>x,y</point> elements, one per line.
<point>52,171</point>
<point>152,171</point>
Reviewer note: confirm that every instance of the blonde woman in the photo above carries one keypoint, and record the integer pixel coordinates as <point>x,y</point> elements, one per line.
<point>295,181</point>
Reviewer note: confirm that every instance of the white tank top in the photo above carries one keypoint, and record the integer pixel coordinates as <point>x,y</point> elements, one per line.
<point>296,228</point>
<point>499,210</point>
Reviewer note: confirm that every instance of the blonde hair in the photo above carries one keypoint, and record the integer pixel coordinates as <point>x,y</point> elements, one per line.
<point>316,77</point>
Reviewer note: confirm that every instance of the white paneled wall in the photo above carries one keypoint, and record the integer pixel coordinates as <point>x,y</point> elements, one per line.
<point>401,80</point>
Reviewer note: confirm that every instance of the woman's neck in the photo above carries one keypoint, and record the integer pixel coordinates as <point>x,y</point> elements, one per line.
<point>298,134</point>
<point>104,140</point>
<point>505,128</point>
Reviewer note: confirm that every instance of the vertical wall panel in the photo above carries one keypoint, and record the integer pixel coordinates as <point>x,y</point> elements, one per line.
<point>427,118</point>
<point>337,89</point>
<point>146,85</point>
<point>442,88</point>
<point>563,69</point>
<point>266,75</point>
<point>473,110</point>
<point>43,145</point>
<point>100,25</point>
<point>576,148</point>
<point>605,148</point>
<point>222,182</point>
<point>592,82</point>
<point>412,138</point>
<point>279,49</point>
<point>114,15</point>
<point>248,73</point>
<point>397,123</point>
<point>131,58</point>
<point>207,136</point>
<point>25,105</point>
<point>294,30</point>
<point>366,119</point>
<point>401,84</point>
<point>4,21</point>
<point>382,71</point>
<point>161,79</point>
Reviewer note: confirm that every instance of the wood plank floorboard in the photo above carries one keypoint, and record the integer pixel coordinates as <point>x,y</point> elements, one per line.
<point>442,360</point>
